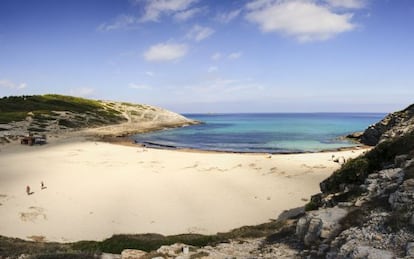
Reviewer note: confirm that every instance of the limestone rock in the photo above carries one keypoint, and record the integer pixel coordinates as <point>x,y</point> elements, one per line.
<point>410,249</point>
<point>110,256</point>
<point>399,161</point>
<point>313,232</point>
<point>173,250</point>
<point>371,253</point>
<point>132,254</point>
<point>322,223</point>
<point>403,198</point>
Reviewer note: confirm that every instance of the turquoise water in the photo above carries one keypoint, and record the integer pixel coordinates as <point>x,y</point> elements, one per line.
<point>271,133</point>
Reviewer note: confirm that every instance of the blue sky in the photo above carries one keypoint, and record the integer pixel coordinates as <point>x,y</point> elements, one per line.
<point>213,56</point>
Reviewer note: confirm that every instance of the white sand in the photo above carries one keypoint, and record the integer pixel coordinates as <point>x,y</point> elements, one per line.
<point>97,189</point>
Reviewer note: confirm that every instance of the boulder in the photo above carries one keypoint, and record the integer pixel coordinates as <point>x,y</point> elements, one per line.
<point>399,161</point>
<point>355,135</point>
<point>371,136</point>
<point>313,232</point>
<point>403,197</point>
<point>409,249</point>
<point>322,223</point>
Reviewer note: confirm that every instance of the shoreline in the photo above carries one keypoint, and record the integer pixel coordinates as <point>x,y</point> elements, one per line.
<point>127,141</point>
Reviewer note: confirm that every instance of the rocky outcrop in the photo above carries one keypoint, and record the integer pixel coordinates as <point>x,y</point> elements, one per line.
<point>376,222</point>
<point>393,125</point>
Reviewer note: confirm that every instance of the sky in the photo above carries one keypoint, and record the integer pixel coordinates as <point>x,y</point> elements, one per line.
<point>197,56</point>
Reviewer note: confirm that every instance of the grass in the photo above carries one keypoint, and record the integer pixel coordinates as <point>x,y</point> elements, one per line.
<point>7,117</point>
<point>16,108</point>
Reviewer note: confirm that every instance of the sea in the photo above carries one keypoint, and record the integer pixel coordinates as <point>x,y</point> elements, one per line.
<point>263,132</point>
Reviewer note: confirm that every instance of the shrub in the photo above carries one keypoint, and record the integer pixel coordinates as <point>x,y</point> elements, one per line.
<point>355,171</point>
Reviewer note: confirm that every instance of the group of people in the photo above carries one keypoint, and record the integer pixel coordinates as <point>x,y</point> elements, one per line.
<point>29,192</point>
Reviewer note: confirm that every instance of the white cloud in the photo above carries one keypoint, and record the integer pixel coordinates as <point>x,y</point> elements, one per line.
<point>82,91</point>
<point>199,33</point>
<point>216,56</point>
<point>155,8</point>
<point>306,20</point>
<point>349,4</point>
<point>121,22</point>
<point>187,14</point>
<point>228,17</point>
<point>212,69</point>
<point>149,73</point>
<point>234,55</point>
<point>139,86</point>
<point>165,52</point>
<point>4,83</point>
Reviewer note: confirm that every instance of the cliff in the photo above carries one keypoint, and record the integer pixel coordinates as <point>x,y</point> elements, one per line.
<point>393,125</point>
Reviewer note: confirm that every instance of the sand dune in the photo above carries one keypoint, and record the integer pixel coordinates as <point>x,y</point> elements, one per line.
<point>96,189</point>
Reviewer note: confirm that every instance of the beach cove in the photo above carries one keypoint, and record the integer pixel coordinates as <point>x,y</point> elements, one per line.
<point>96,189</point>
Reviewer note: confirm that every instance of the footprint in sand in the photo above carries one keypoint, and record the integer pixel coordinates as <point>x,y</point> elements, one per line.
<point>4,198</point>
<point>273,170</point>
<point>237,166</point>
<point>213,169</point>
<point>305,165</point>
<point>254,166</point>
<point>191,167</point>
<point>33,214</point>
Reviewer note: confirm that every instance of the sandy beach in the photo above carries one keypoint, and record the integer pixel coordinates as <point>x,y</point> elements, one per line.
<point>97,189</point>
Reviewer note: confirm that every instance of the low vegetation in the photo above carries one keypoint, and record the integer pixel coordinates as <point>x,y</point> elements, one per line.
<point>17,108</point>
<point>356,170</point>
<point>117,243</point>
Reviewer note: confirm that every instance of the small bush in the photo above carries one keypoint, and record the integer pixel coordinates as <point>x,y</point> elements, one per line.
<point>311,206</point>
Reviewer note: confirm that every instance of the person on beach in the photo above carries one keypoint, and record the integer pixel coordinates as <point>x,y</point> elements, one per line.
<point>28,190</point>
<point>42,185</point>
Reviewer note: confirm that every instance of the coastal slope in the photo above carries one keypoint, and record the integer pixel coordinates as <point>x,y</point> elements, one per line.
<point>393,125</point>
<point>41,114</point>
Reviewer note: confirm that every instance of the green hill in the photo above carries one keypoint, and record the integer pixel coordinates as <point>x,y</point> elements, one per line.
<point>44,107</point>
